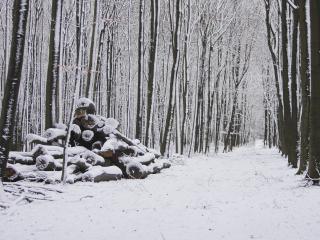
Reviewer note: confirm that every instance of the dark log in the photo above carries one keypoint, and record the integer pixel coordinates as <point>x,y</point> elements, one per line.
<point>97,145</point>
<point>106,154</point>
<point>11,174</point>
<point>39,150</point>
<point>75,134</point>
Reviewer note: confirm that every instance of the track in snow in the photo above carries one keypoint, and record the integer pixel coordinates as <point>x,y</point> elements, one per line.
<point>247,194</point>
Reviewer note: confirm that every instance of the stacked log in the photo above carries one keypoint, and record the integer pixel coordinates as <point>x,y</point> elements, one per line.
<point>97,152</point>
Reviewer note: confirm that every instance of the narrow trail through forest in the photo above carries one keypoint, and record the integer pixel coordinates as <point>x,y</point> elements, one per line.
<point>247,194</point>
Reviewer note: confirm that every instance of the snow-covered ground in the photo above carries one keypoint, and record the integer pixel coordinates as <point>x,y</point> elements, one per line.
<point>247,194</point>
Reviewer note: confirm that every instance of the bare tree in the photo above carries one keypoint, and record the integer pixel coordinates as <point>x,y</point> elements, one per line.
<point>9,102</point>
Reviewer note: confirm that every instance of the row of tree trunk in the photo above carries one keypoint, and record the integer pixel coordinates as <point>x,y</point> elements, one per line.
<point>294,49</point>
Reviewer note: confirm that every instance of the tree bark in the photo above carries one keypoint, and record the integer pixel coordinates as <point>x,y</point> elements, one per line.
<point>9,102</point>
<point>285,83</point>
<point>154,10</point>
<point>53,65</point>
<point>294,107</point>
<point>305,89</point>
<point>140,71</point>
<point>175,52</point>
<point>314,161</point>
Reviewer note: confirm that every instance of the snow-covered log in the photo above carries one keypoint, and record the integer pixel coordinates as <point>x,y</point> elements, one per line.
<point>54,134</point>
<point>93,158</point>
<point>135,170</point>
<point>87,135</point>
<point>17,157</point>
<point>100,174</point>
<point>46,150</point>
<point>157,166</point>
<point>34,138</point>
<point>81,163</point>
<point>56,151</point>
<point>75,131</point>
<point>47,163</point>
<point>145,159</point>
<point>87,105</point>
<point>114,144</point>
<point>61,126</point>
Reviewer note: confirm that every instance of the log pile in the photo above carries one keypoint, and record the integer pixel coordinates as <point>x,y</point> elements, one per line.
<point>97,152</point>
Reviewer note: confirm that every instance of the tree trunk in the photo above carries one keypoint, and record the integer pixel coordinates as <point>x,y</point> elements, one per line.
<point>154,10</point>
<point>294,111</point>
<point>9,102</point>
<point>175,51</point>
<point>314,161</point>
<point>285,83</point>
<point>276,77</point>
<point>53,65</point>
<point>140,70</point>
<point>305,89</point>
<point>93,34</point>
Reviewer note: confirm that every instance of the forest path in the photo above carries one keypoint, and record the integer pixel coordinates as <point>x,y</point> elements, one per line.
<point>247,194</point>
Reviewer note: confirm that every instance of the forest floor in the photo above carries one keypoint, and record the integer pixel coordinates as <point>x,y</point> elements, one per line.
<point>247,194</point>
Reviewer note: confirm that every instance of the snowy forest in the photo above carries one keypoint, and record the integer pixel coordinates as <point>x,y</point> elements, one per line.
<point>100,90</point>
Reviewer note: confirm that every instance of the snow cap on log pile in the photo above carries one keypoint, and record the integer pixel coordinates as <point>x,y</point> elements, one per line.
<point>89,121</point>
<point>84,106</point>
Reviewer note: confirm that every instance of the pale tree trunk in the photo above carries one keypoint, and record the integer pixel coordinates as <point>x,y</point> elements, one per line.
<point>92,45</point>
